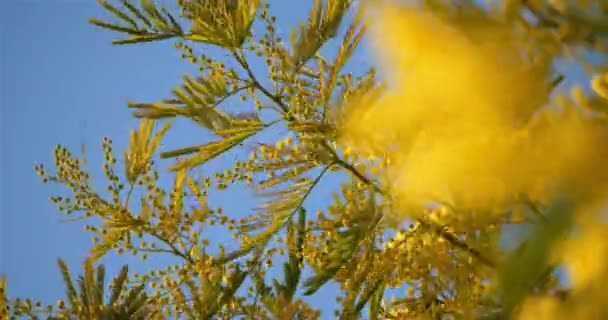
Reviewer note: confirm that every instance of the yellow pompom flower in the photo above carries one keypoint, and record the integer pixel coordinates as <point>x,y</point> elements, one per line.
<point>464,114</point>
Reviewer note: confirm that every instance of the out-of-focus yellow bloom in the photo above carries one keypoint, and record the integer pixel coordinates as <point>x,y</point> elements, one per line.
<point>462,116</point>
<point>465,120</point>
<point>586,257</point>
<point>545,307</point>
<point>599,84</point>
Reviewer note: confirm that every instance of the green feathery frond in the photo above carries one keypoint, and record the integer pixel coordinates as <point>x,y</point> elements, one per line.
<point>339,253</point>
<point>134,300</point>
<point>281,204</point>
<point>71,294</point>
<point>234,282</point>
<point>359,228</point>
<point>216,295</point>
<point>177,195</point>
<point>198,97</point>
<point>218,22</point>
<point>375,301</point>
<point>195,296</point>
<point>118,284</point>
<point>100,284</point>
<point>324,20</point>
<point>208,151</point>
<point>280,303</point>
<point>276,212</point>
<point>292,269</point>
<point>142,146</point>
<point>352,38</point>
<point>4,308</point>
<point>145,24</point>
<point>89,286</point>
<point>364,91</point>
<point>369,293</point>
<point>109,242</point>
<point>88,301</point>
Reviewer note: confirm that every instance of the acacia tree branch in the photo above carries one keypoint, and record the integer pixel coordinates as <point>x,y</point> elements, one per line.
<point>452,239</point>
<point>240,58</point>
<point>174,249</point>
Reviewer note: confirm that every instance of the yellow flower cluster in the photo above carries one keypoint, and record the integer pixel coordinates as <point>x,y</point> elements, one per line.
<point>465,117</point>
<point>467,120</point>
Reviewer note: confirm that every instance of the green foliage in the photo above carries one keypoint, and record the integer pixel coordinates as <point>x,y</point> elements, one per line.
<point>325,19</point>
<point>529,264</point>
<point>87,302</point>
<point>4,308</point>
<point>222,23</point>
<point>145,24</point>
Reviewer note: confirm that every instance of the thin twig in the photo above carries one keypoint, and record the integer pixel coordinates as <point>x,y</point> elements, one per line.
<point>174,250</point>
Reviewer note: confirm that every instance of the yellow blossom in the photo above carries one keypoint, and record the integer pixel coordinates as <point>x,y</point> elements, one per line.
<point>464,114</point>
<point>586,256</point>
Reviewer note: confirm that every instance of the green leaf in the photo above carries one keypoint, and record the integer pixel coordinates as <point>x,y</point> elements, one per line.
<point>374,304</point>
<point>136,13</point>
<point>244,15</point>
<point>525,266</point>
<point>119,284</point>
<point>235,280</point>
<point>157,110</point>
<point>71,294</point>
<point>121,15</point>
<point>174,24</point>
<point>194,294</point>
<point>323,24</point>
<point>135,298</point>
<point>339,254</point>
<point>293,268</point>
<point>369,293</point>
<point>149,8</point>
<point>84,298</point>
<point>115,27</point>
<point>90,286</point>
<point>220,23</point>
<point>143,38</point>
<point>181,152</point>
<point>211,150</point>
<point>100,283</point>
<point>155,142</point>
<point>100,249</point>
<point>155,15</point>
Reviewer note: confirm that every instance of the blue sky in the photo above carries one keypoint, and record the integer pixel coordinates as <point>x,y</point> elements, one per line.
<point>62,81</point>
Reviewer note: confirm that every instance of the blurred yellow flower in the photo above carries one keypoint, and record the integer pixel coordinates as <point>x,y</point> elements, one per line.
<point>545,307</point>
<point>463,116</point>
<point>586,257</point>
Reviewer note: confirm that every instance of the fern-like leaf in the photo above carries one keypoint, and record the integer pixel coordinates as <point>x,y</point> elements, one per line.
<point>119,284</point>
<point>71,294</point>
<point>368,294</point>
<point>221,23</point>
<point>118,13</point>
<point>209,151</point>
<point>158,24</point>
<point>324,20</point>
<point>293,267</point>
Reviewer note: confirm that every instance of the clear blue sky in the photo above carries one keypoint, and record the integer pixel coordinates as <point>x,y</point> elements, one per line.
<point>63,82</point>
